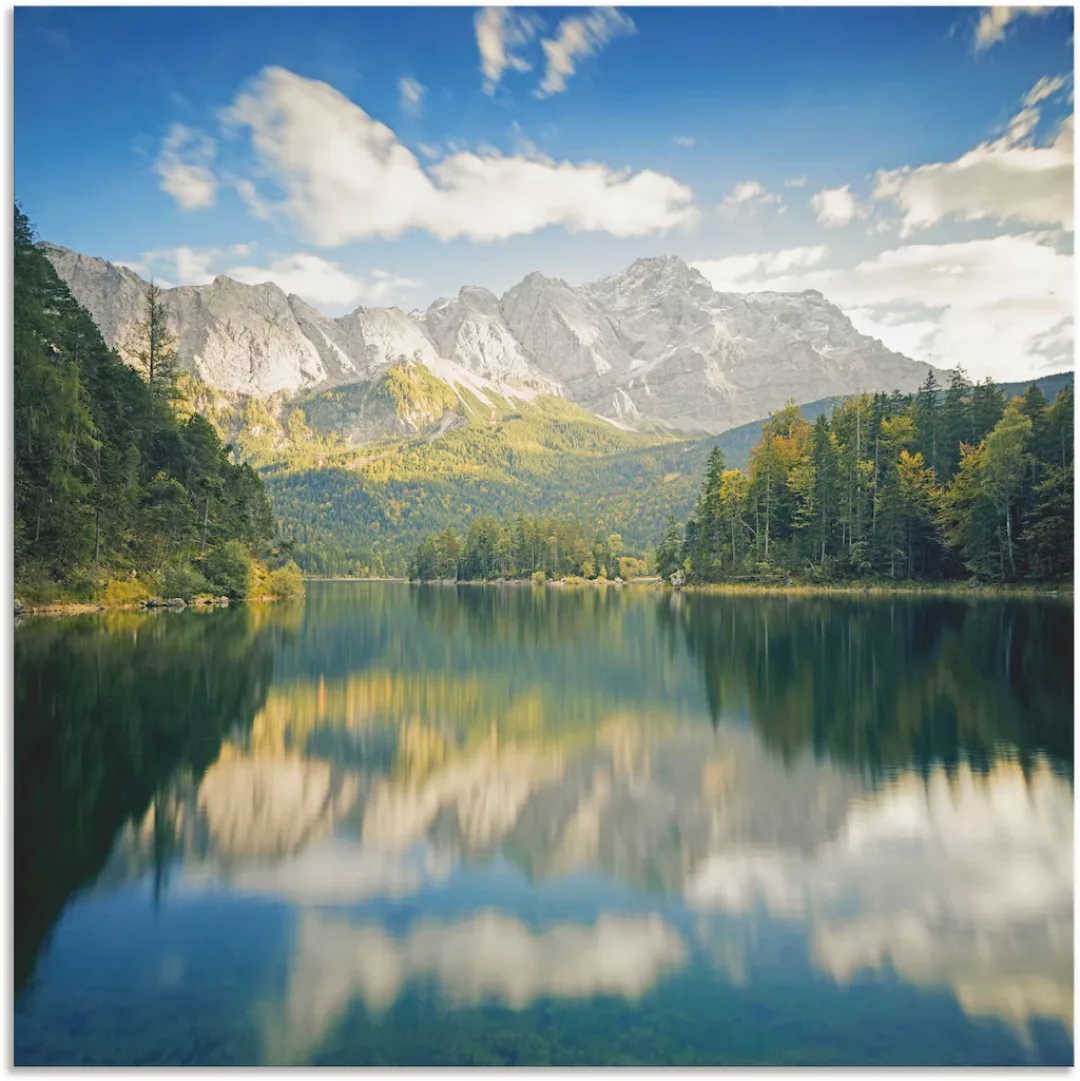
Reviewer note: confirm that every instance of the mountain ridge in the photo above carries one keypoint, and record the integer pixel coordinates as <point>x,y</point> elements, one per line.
<point>652,348</point>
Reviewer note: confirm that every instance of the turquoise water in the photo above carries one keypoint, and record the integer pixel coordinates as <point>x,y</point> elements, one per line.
<point>431,825</point>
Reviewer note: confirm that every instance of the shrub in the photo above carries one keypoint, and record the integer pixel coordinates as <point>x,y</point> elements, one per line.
<point>538,578</point>
<point>80,585</point>
<point>229,568</point>
<point>183,581</point>
<point>119,591</point>
<point>286,581</point>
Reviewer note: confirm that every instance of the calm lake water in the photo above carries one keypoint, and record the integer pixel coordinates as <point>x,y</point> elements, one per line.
<point>414,825</point>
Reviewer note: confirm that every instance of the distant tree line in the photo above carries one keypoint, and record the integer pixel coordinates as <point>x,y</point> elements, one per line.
<point>522,547</point>
<point>118,493</point>
<point>939,484</point>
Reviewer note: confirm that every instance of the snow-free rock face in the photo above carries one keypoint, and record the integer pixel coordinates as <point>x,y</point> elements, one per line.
<point>654,346</point>
<point>112,294</point>
<point>244,338</point>
<point>471,330</point>
<point>699,359</point>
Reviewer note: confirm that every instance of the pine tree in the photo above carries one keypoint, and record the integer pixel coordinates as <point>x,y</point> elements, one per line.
<point>152,349</point>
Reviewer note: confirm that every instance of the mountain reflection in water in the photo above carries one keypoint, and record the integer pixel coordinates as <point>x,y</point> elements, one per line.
<point>700,813</point>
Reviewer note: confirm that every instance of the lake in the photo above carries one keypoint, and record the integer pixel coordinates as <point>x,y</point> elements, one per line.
<point>397,824</point>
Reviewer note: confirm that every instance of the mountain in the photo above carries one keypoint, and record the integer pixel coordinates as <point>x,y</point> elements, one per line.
<point>653,348</point>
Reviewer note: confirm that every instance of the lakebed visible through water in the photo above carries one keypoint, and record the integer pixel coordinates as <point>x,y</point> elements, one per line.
<point>397,824</point>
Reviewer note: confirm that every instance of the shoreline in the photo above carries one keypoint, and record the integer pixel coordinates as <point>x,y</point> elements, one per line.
<point>90,608</point>
<point>969,589</point>
<point>972,589</point>
<point>348,578</point>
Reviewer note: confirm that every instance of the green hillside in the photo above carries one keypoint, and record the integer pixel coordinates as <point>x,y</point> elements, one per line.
<point>364,511</point>
<point>440,461</point>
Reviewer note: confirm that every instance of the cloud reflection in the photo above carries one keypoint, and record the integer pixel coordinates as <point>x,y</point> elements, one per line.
<point>966,883</point>
<point>489,956</point>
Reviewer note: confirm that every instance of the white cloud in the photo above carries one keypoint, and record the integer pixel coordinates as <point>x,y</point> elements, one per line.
<point>994,21</point>
<point>499,32</point>
<point>430,152</point>
<point>251,198</point>
<point>1000,307</point>
<point>184,168</point>
<point>835,206</point>
<point>1045,88</point>
<point>795,182</point>
<point>1006,179</point>
<point>320,281</point>
<point>317,280</point>
<point>412,95</point>
<point>683,140</point>
<point>346,177</point>
<point>575,38</point>
<point>184,266</point>
<point>746,195</point>
<point>733,273</point>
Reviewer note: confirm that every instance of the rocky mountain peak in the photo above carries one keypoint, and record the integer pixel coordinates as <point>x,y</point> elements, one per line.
<point>651,346</point>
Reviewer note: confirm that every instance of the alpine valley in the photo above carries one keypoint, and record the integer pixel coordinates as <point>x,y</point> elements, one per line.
<point>373,429</point>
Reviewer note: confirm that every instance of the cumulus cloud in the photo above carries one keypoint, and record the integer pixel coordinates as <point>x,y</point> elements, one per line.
<point>795,182</point>
<point>994,21</point>
<point>683,140</point>
<point>411,95</point>
<point>1001,306</point>
<point>345,177</point>
<point>183,165</point>
<point>320,281</point>
<point>249,195</point>
<point>746,196</point>
<point>835,206</point>
<point>1006,179</point>
<point>499,33</point>
<point>734,273</point>
<point>180,266</point>
<point>577,37</point>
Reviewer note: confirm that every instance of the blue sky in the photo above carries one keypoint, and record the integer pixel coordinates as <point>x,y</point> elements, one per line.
<point>915,164</point>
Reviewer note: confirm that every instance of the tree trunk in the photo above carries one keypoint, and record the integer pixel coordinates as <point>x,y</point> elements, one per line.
<point>1008,530</point>
<point>768,510</point>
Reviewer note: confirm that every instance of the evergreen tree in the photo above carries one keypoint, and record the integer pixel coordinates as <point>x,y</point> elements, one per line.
<point>109,481</point>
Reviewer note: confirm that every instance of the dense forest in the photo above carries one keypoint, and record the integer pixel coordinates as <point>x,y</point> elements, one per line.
<point>521,547</point>
<point>122,493</point>
<point>933,485</point>
<point>365,511</point>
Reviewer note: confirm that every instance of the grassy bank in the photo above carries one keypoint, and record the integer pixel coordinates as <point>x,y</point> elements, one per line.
<point>879,588</point>
<point>969,588</point>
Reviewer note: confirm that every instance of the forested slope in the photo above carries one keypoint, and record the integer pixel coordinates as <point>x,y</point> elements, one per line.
<point>118,495</point>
